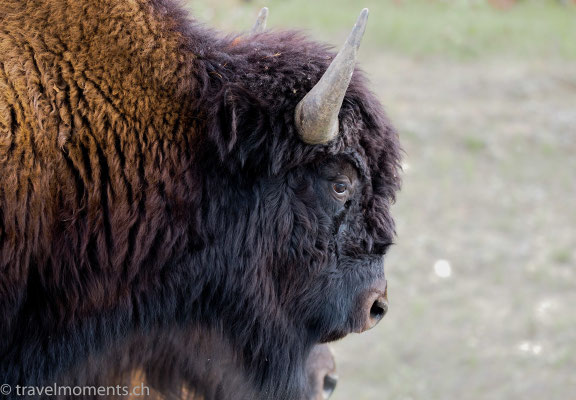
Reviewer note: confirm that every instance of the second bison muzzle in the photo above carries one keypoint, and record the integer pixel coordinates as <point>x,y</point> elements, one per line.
<point>157,178</point>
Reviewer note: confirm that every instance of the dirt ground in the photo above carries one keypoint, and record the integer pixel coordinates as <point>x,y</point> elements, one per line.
<point>482,280</point>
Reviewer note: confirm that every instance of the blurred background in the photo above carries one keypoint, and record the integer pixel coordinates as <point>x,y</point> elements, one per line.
<point>482,281</point>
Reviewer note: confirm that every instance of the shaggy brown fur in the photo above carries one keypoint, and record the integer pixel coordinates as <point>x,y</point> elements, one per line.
<point>153,186</point>
<point>82,99</point>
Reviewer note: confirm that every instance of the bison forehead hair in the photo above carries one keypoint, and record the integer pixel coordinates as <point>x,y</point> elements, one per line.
<point>153,180</point>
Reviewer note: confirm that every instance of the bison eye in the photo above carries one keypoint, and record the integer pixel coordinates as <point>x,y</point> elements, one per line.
<point>340,187</point>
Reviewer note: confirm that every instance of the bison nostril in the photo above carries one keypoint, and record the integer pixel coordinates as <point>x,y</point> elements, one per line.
<point>378,309</point>
<point>329,385</point>
<point>373,306</point>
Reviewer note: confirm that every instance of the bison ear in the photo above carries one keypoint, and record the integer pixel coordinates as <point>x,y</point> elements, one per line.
<point>238,127</point>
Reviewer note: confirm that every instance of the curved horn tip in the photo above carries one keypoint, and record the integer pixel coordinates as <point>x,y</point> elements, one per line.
<point>359,28</point>
<point>260,24</point>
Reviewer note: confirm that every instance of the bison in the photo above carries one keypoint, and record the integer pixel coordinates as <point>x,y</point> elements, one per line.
<point>165,187</point>
<point>217,376</point>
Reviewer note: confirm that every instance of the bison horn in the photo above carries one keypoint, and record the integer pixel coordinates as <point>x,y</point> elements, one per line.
<point>260,24</point>
<point>316,115</point>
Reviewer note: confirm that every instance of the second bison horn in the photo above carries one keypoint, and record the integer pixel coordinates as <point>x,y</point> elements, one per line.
<point>260,24</point>
<point>317,113</point>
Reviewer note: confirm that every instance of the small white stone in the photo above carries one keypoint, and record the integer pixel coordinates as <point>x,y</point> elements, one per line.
<point>524,346</point>
<point>536,349</point>
<point>530,348</point>
<point>545,307</point>
<point>442,268</point>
